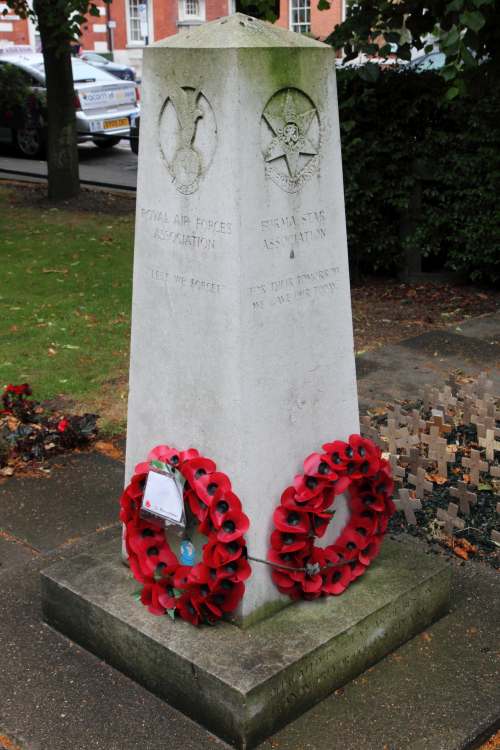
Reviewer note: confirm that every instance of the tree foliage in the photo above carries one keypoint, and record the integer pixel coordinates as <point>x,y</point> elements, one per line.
<point>466,31</point>
<point>64,18</point>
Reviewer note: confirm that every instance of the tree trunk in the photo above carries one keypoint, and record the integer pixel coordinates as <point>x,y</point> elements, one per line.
<point>62,152</point>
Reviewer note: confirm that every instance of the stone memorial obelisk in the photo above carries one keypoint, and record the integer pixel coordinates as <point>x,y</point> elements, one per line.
<point>242,343</point>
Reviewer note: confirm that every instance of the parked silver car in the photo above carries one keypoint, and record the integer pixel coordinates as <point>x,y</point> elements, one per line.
<point>104,104</point>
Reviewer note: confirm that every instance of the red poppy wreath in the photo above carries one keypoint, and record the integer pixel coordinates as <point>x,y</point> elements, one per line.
<point>304,571</point>
<point>199,593</point>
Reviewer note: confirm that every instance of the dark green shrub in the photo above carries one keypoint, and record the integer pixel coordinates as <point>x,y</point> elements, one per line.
<point>19,104</point>
<point>421,173</point>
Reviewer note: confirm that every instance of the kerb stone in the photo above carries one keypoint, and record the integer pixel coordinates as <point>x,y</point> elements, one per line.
<point>243,684</point>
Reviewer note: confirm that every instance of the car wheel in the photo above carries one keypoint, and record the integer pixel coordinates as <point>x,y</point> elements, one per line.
<point>29,142</point>
<point>106,142</point>
<point>134,144</point>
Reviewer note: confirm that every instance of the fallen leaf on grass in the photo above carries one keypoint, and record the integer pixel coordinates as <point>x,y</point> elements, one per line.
<point>108,449</point>
<point>51,352</point>
<point>426,636</point>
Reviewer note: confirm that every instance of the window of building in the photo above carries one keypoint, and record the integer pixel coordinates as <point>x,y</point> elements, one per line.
<point>300,16</point>
<point>134,21</point>
<point>192,10</point>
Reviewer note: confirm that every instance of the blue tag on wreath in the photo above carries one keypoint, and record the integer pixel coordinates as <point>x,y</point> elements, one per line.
<point>187,552</point>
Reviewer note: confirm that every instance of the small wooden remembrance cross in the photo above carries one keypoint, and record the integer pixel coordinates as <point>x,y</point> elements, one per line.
<point>430,439</point>
<point>489,444</point>
<point>398,472</point>
<point>408,505</point>
<point>421,484</point>
<point>442,457</point>
<point>391,434</point>
<point>475,465</point>
<point>450,518</point>
<point>415,422</point>
<point>464,497</point>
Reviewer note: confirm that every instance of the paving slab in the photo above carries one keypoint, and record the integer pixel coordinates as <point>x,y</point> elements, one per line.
<point>470,349</point>
<point>400,371</point>
<point>79,497</point>
<point>14,552</point>
<point>486,327</point>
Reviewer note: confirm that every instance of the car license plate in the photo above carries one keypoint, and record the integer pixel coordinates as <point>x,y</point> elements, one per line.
<point>121,123</point>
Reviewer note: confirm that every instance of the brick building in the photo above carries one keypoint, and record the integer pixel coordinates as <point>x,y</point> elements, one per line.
<point>126,25</point>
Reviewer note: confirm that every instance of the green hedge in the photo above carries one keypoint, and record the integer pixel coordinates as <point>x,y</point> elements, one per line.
<point>20,106</point>
<point>421,174</point>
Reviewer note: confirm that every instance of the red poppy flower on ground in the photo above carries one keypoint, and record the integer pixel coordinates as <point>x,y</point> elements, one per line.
<point>62,425</point>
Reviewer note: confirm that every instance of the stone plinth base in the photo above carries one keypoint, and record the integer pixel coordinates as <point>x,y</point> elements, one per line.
<point>244,684</point>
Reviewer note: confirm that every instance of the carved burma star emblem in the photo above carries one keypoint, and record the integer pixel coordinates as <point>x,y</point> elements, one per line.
<point>290,129</point>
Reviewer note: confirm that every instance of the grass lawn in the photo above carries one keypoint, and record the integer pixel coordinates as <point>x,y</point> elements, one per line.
<point>65,297</point>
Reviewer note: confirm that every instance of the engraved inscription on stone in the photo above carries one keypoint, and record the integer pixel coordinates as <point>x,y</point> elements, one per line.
<point>188,137</point>
<point>291,139</point>
<point>308,285</point>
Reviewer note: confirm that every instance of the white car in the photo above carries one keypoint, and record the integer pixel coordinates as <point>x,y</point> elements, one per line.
<point>103,103</point>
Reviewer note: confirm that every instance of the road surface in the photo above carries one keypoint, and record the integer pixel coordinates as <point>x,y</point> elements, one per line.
<point>116,166</point>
